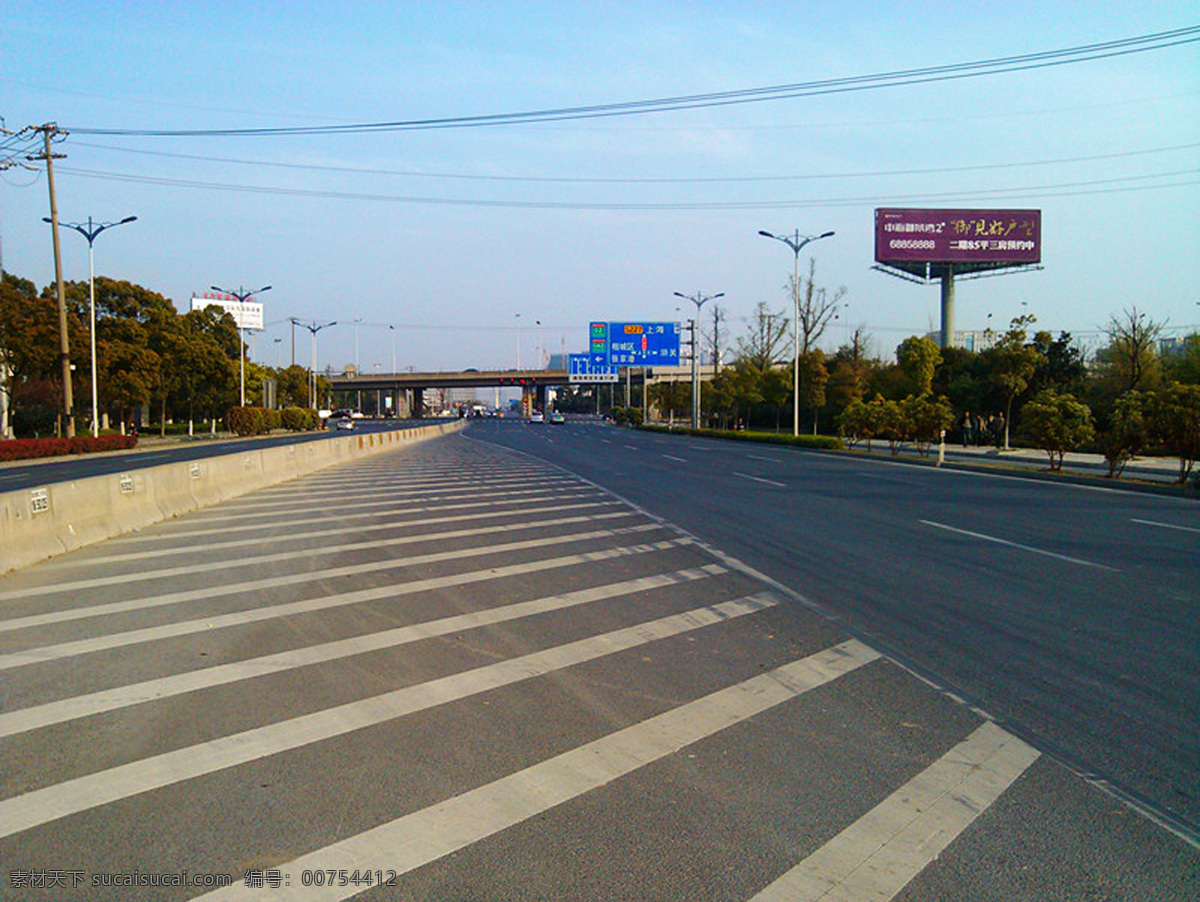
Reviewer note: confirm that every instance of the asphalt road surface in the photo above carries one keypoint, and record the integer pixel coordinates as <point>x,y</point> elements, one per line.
<point>457,671</point>
<point>1068,613</point>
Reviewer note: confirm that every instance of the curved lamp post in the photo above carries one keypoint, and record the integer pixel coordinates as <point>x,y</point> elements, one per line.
<point>699,300</point>
<point>90,231</point>
<point>796,242</point>
<point>314,327</point>
<point>242,297</point>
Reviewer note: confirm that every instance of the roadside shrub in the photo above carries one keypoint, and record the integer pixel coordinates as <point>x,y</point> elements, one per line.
<point>251,420</point>
<point>29,448</point>
<point>298,419</point>
<point>619,415</point>
<point>821,442</point>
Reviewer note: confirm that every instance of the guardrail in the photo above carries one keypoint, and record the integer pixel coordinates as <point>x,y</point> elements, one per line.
<point>39,523</point>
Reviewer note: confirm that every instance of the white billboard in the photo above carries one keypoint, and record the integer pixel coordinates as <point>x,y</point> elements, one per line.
<point>247,314</point>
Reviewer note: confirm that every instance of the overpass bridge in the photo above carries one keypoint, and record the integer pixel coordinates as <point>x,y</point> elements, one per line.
<point>412,386</point>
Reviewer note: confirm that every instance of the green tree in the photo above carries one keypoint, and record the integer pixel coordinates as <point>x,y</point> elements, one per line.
<point>1127,433</point>
<point>919,357</point>
<point>672,398</point>
<point>925,418</point>
<point>962,378</point>
<point>1064,369</point>
<point>1012,363</point>
<point>814,377</point>
<point>855,424</point>
<point>1130,361</point>
<point>1174,419</point>
<point>886,420</point>
<point>291,386</point>
<point>28,342</point>
<point>1057,423</point>
<point>201,377</point>
<point>1184,366</point>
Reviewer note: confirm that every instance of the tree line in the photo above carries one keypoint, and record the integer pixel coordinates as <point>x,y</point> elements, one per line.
<point>183,367</point>
<point>1130,398</point>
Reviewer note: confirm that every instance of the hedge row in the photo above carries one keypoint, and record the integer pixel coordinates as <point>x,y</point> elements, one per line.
<point>824,442</point>
<point>27,448</point>
<point>298,419</point>
<point>252,420</point>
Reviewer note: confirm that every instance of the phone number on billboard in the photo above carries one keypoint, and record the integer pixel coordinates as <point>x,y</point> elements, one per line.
<point>912,244</point>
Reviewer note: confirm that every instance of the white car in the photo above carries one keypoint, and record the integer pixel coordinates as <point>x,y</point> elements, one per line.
<point>537,417</point>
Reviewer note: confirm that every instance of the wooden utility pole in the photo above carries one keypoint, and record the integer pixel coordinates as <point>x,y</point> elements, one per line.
<point>64,347</point>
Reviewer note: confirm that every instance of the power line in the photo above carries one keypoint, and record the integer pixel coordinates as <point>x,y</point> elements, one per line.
<point>1094,186</point>
<point>899,78</point>
<point>589,180</point>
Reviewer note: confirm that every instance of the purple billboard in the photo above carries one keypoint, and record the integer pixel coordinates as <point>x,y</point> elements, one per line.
<point>979,237</point>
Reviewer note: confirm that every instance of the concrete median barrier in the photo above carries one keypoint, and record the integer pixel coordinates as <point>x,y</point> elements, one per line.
<point>39,523</point>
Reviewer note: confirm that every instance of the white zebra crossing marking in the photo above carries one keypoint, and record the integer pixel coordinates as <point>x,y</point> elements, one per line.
<point>427,835</point>
<point>73,796</point>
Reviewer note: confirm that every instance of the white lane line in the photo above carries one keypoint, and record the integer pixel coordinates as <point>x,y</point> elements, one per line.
<point>681,460</point>
<point>248,586</point>
<point>210,547</point>
<point>1029,548</point>
<point>254,615</point>
<point>781,485</point>
<point>880,853</point>
<point>416,839</point>
<point>305,500</point>
<point>1164,525</point>
<point>633,447</point>
<point>774,460</point>
<point>42,806</point>
<point>272,519</point>
<point>44,715</point>
<point>232,563</point>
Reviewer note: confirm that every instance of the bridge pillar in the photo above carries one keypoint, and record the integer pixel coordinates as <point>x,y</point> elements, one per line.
<point>418,405</point>
<point>540,394</point>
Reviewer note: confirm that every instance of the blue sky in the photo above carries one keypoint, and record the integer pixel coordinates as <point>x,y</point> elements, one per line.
<point>449,234</point>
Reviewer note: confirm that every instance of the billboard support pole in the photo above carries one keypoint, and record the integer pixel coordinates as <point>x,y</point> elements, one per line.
<point>948,307</point>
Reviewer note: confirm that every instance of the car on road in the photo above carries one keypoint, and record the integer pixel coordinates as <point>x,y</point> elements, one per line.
<point>557,419</point>
<point>342,423</point>
<point>537,417</point>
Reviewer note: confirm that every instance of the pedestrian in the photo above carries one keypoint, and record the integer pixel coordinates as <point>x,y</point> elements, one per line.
<point>998,431</point>
<point>968,430</point>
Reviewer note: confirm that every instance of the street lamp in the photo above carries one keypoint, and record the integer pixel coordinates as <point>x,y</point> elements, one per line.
<point>90,231</point>
<point>313,329</point>
<point>242,297</point>
<point>796,242</point>
<point>518,316</point>
<point>699,300</point>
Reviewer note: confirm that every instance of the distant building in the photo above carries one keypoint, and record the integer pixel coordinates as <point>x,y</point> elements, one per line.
<point>976,341</point>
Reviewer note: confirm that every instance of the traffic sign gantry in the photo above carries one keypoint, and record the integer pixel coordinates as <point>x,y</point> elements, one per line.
<point>581,368</point>
<point>643,344</point>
